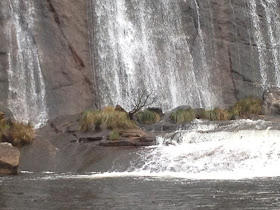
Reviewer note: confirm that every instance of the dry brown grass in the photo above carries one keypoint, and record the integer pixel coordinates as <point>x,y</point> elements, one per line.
<point>217,114</point>
<point>106,118</point>
<point>246,107</point>
<point>21,134</point>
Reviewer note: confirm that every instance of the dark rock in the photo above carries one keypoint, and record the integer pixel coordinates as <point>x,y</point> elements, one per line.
<point>90,138</point>
<point>120,109</point>
<point>9,159</point>
<point>199,112</point>
<point>140,142</point>
<point>156,110</point>
<point>271,101</point>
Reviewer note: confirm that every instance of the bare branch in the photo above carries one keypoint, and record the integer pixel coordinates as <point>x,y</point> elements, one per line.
<point>142,99</point>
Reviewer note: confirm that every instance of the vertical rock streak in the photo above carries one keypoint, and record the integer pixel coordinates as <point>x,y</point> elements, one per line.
<point>27,96</point>
<point>142,44</point>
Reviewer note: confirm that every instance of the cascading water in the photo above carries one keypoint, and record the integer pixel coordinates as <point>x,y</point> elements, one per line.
<point>143,44</point>
<point>27,96</point>
<point>259,39</point>
<point>203,150</point>
<point>267,40</point>
<point>273,24</point>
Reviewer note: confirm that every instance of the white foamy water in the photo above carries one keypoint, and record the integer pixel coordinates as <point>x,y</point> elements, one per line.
<point>243,149</point>
<point>27,92</point>
<point>204,152</point>
<point>144,45</point>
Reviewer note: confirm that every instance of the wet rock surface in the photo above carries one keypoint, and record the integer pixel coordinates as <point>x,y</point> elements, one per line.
<point>61,36</point>
<point>271,101</point>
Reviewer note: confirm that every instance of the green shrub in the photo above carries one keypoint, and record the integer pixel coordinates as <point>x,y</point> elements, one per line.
<point>114,135</point>
<point>247,107</point>
<point>217,114</point>
<point>108,118</point>
<point>147,117</point>
<point>183,116</point>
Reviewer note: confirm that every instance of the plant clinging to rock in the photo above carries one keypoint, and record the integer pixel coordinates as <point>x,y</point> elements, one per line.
<point>148,117</point>
<point>183,116</point>
<point>108,117</point>
<point>142,99</point>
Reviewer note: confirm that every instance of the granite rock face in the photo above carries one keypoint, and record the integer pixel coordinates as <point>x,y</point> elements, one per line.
<point>57,31</point>
<point>233,41</point>
<point>9,159</point>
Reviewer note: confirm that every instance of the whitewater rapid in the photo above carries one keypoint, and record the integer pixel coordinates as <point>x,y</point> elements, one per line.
<point>241,149</point>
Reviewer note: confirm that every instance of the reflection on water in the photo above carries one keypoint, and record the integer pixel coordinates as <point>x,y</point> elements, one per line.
<point>33,191</point>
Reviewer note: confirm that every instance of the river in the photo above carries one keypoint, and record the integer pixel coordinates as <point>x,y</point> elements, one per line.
<point>44,191</point>
<point>224,165</point>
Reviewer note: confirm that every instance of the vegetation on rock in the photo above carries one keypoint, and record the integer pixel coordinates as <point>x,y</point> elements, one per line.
<point>243,109</point>
<point>147,117</point>
<point>246,107</point>
<point>183,116</point>
<point>16,133</point>
<point>217,114</point>
<point>21,133</point>
<point>108,117</point>
<point>114,135</point>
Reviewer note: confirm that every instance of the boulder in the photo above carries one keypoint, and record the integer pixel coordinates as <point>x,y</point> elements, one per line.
<point>156,110</point>
<point>181,108</point>
<point>6,113</point>
<point>9,159</point>
<point>271,101</point>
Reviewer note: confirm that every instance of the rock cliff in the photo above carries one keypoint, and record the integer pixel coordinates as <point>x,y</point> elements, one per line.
<point>67,45</point>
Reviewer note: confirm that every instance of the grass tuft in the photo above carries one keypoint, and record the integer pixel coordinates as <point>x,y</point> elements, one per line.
<point>114,135</point>
<point>107,118</point>
<point>183,116</point>
<point>147,117</point>
<point>246,107</point>
<point>217,114</point>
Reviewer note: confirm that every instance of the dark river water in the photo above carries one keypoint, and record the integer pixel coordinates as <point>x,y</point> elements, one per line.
<point>43,191</point>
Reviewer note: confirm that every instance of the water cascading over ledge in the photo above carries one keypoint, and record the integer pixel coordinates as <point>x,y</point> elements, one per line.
<point>200,53</point>
<point>143,44</point>
<point>27,96</point>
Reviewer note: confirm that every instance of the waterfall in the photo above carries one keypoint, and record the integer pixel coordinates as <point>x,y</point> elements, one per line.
<point>27,96</point>
<point>273,24</point>
<point>143,45</point>
<point>204,68</point>
<point>237,150</point>
<point>259,39</point>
